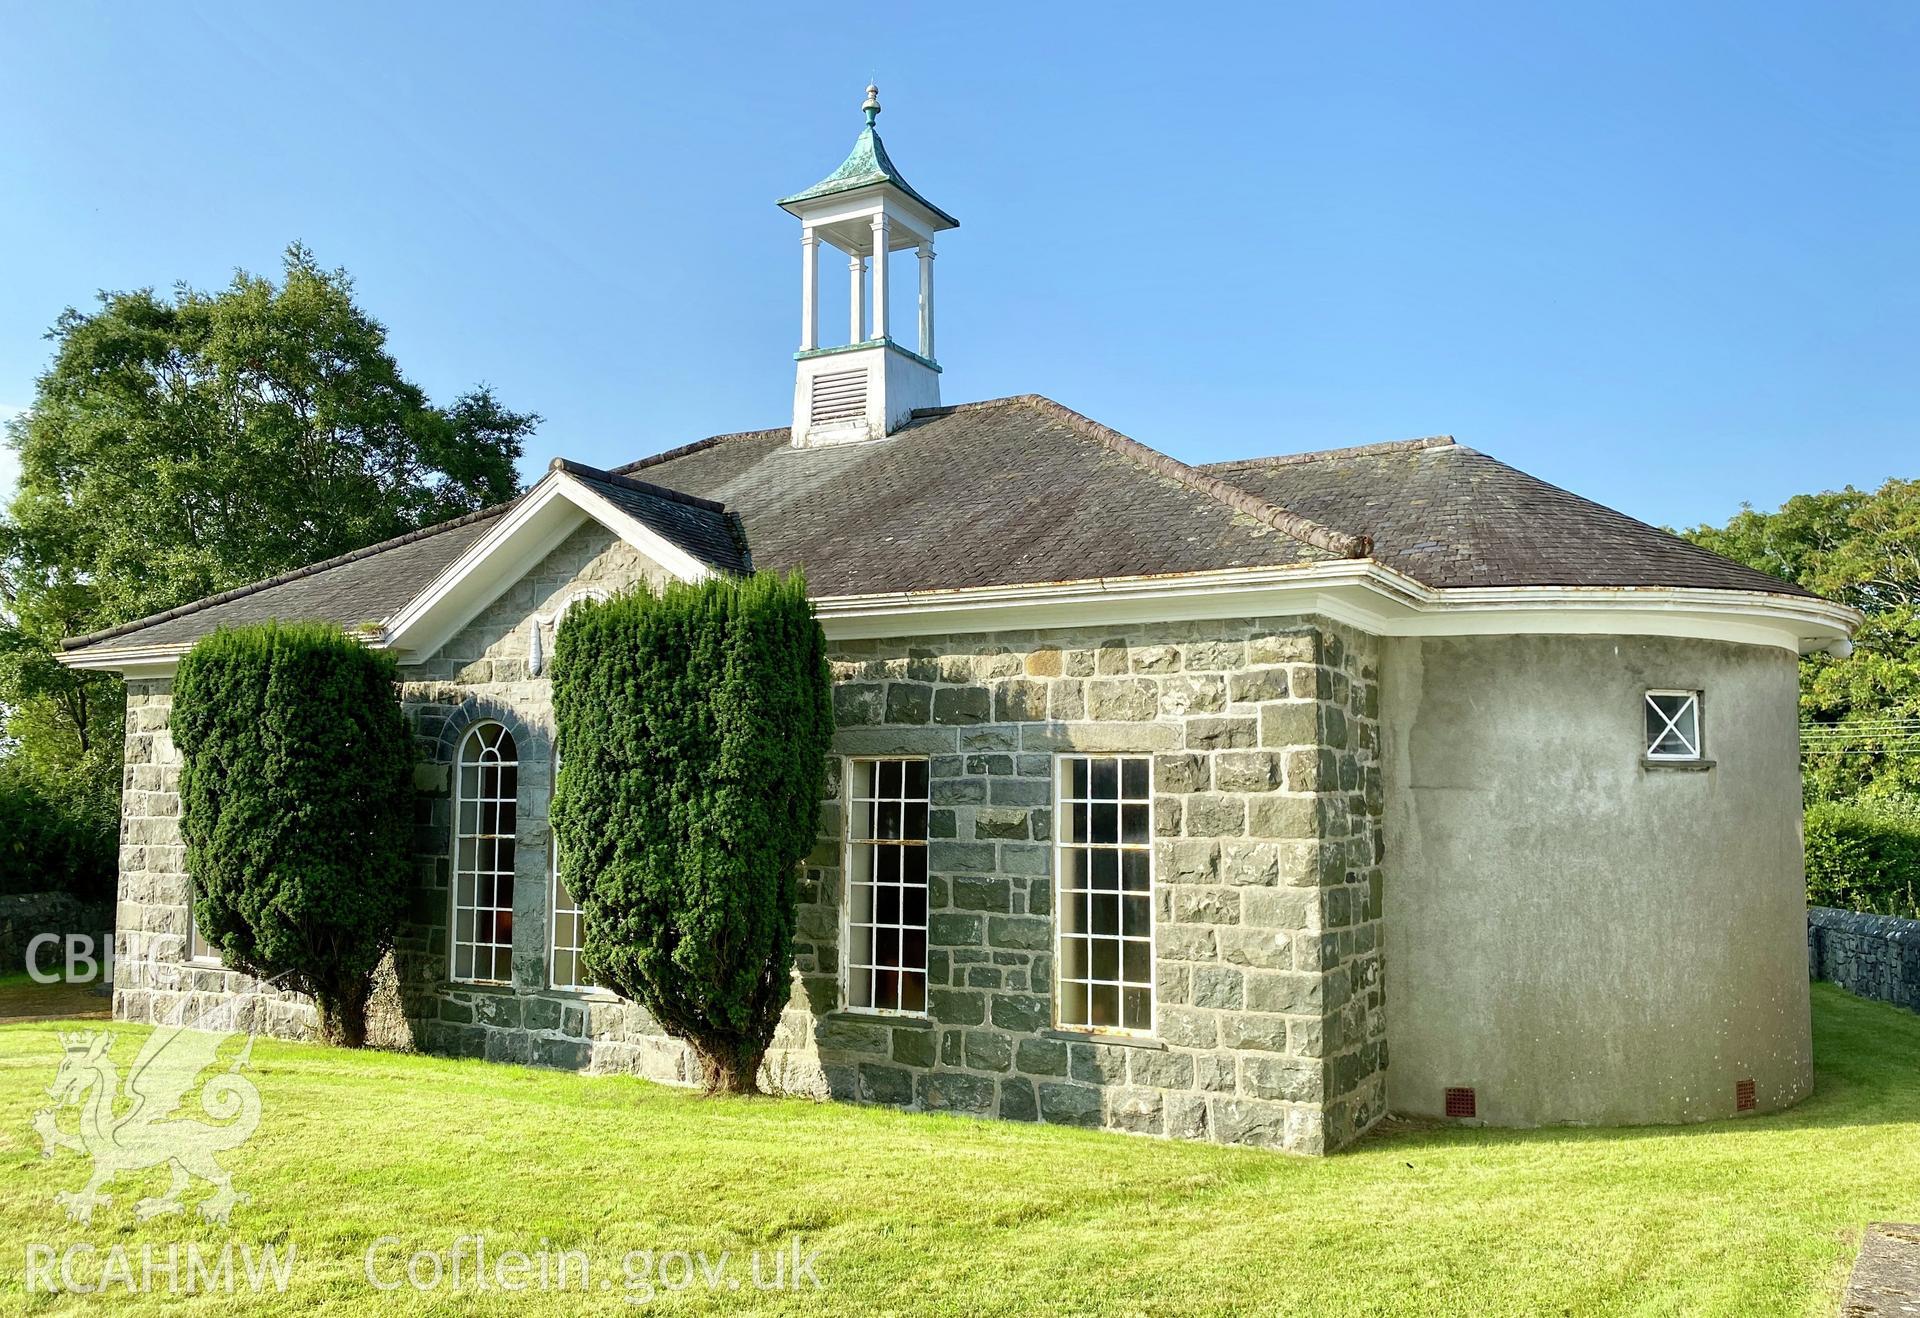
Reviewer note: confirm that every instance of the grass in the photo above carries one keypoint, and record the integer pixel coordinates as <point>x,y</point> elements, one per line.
<point>915,1213</point>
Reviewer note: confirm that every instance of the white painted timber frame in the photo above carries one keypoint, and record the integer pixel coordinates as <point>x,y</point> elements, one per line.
<point>1358,592</point>
<point>551,511</point>
<point>1062,845</point>
<point>1361,593</point>
<point>848,844</point>
<point>1689,704</point>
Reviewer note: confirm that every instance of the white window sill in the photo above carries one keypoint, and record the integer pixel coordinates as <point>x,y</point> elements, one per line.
<point>1146,1041</point>
<point>867,1016</point>
<point>585,992</point>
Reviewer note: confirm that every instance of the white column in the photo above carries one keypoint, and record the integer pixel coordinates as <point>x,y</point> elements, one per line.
<point>809,290</point>
<point>926,300</point>
<point>857,317</point>
<point>880,276</point>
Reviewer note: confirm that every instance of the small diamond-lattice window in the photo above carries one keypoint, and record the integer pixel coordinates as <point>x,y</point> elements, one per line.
<point>1673,725</point>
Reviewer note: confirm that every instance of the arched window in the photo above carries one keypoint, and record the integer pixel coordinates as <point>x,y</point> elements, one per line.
<point>486,815</point>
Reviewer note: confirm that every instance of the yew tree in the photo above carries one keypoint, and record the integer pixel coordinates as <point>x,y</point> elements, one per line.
<point>296,808</point>
<point>692,728</point>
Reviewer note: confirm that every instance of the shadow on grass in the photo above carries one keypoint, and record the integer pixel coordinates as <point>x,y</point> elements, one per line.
<point>1866,1074</point>
<point>23,1001</point>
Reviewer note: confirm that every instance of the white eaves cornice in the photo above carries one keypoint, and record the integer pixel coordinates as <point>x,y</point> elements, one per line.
<point>1358,592</point>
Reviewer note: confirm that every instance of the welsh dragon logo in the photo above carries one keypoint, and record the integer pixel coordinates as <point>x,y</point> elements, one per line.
<point>149,1134</point>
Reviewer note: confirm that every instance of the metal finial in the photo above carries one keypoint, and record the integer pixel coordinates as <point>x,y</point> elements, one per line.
<point>872,106</point>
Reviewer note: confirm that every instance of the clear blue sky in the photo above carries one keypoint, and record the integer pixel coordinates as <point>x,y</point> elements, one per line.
<point>1666,255</point>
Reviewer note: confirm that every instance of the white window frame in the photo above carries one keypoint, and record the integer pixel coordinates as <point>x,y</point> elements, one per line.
<point>851,774</point>
<point>1064,801</point>
<point>455,907</point>
<point>553,886</point>
<point>210,955</point>
<point>1696,747</point>
<point>555,911</point>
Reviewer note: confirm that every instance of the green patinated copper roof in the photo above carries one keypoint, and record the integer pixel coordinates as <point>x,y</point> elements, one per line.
<point>865,166</point>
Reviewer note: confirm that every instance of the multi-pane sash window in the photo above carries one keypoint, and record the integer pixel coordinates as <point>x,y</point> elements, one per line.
<point>198,948</point>
<point>569,933</point>
<point>886,934</point>
<point>1105,909</point>
<point>486,815</point>
<point>1673,725</point>
<point>569,929</point>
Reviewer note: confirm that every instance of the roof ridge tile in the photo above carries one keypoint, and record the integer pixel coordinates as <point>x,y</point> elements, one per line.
<point>626,482</point>
<point>1303,529</point>
<point>1352,451</point>
<point>697,446</point>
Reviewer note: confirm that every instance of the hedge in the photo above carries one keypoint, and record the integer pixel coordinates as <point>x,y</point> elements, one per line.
<point>692,729</point>
<point>1864,856</point>
<point>54,839</point>
<point>296,808</point>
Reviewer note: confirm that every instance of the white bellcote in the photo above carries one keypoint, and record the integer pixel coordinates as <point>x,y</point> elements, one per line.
<point>867,387</point>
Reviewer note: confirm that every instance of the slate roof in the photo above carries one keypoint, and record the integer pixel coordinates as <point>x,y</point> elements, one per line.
<point>370,585</point>
<point>1023,491</point>
<point>1010,492</point>
<point>702,527</point>
<point>1451,517</point>
<point>366,586</point>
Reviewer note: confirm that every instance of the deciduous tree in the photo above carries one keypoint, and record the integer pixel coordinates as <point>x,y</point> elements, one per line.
<point>1862,549</point>
<point>182,445</point>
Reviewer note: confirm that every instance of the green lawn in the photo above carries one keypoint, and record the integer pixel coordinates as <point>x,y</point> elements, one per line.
<point>919,1213</point>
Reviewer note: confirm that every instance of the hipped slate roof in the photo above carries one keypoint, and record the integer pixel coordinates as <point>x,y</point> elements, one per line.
<point>370,585</point>
<point>989,494</point>
<point>354,590</point>
<point>1024,491</point>
<point>1452,517</point>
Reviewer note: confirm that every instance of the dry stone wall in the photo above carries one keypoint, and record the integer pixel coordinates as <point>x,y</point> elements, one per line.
<point>1876,956</point>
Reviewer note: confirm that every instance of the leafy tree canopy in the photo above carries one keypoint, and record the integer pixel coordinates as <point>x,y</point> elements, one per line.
<point>182,445</point>
<point>1861,549</point>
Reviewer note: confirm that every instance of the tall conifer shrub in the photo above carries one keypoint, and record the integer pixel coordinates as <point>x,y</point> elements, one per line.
<point>693,728</point>
<point>296,808</point>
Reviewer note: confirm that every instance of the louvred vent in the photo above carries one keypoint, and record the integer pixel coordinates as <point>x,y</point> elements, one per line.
<point>1743,1096</point>
<point>839,396</point>
<point>1462,1102</point>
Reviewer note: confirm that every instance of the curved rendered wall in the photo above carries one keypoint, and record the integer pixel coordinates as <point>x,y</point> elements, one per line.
<point>1576,936</point>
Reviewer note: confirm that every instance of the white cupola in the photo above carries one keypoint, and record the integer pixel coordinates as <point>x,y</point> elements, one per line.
<point>867,387</point>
